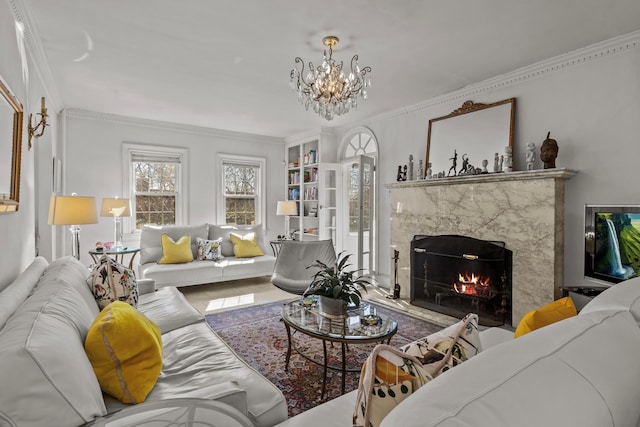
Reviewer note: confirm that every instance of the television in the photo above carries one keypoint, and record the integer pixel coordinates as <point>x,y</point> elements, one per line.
<point>612,243</point>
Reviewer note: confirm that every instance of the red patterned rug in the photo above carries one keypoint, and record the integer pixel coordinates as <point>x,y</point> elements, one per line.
<point>258,335</point>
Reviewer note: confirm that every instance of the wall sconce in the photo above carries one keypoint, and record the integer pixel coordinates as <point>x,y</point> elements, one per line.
<point>37,130</point>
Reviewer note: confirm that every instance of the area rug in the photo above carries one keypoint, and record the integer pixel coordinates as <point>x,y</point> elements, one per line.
<point>258,335</point>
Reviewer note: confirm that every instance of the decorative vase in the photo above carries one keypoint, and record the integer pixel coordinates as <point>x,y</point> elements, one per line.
<point>332,307</point>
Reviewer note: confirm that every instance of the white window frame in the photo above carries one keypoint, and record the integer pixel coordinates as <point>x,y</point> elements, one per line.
<point>128,190</point>
<point>261,185</point>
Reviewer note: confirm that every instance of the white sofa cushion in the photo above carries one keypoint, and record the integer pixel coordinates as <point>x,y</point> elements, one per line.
<point>182,274</point>
<point>68,271</point>
<point>244,267</point>
<point>18,291</point>
<point>580,371</point>
<point>168,309</point>
<point>151,239</point>
<point>46,373</point>
<point>622,296</point>
<point>196,361</point>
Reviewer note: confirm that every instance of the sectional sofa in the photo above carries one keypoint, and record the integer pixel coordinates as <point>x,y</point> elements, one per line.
<point>582,371</point>
<point>200,272</point>
<point>47,378</point>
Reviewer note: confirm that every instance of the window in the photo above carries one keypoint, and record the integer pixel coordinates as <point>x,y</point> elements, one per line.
<point>241,200</point>
<point>359,141</point>
<point>155,185</point>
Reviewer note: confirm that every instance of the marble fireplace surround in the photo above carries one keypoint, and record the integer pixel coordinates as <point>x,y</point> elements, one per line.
<point>523,209</point>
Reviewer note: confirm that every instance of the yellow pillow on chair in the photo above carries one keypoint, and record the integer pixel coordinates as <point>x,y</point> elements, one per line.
<point>245,246</point>
<point>176,252</point>
<point>553,312</point>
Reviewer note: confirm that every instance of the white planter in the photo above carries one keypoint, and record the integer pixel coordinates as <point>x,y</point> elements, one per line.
<point>332,307</point>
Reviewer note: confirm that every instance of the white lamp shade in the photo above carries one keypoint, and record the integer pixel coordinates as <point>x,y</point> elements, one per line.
<point>72,210</point>
<point>115,207</point>
<point>287,207</point>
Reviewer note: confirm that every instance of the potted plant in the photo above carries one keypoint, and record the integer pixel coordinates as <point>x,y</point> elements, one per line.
<point>335,286</point>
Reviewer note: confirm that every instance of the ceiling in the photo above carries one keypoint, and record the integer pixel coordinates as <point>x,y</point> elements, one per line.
<point>225,64</point>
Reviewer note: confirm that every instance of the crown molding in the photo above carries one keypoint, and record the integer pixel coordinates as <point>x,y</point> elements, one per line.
<point>168,126</point>
<point>310,134</point>
<point>36,53</point>
<point>590,53</point>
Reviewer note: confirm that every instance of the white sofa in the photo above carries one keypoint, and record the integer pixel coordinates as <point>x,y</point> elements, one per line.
<point>201,272</point>
<point>47,378</point>
<point>583,371</point>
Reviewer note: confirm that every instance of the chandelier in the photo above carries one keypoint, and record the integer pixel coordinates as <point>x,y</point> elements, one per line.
<point>326,88</point>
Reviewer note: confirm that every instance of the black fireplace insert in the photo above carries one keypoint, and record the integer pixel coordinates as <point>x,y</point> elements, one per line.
<point>456,275</point>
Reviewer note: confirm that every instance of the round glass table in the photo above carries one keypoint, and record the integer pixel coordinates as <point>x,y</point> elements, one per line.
<point>361,325</point>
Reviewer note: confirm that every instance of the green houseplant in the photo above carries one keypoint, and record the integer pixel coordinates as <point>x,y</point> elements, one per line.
<point>336,286</point>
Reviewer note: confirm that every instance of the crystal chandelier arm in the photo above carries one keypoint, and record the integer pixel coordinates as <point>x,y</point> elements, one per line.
<point>300,72</point>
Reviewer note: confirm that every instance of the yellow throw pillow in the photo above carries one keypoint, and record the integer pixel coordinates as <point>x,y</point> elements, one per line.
<point>176,252</point>
<point>546,315</point>
<point>125,350</point>
<point>245,246</point>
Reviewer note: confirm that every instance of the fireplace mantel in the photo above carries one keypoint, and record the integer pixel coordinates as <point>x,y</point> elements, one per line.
<point>523,209</point>
<point>491,177</point>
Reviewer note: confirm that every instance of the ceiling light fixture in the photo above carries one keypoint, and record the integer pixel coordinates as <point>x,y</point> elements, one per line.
<point>326,88</point>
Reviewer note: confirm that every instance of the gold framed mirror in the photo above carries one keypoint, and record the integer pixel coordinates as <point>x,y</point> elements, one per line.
<point>475,132</point>
<point>10,149</point>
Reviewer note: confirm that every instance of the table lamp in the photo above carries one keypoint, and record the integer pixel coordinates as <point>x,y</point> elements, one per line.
<point>116,208</point>
<point>73,210</point>
<point>287,208</point>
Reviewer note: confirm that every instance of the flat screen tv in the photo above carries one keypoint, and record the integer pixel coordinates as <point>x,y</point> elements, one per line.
<point>612,243</point>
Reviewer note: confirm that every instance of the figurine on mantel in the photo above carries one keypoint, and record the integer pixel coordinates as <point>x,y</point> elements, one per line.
<point>531,155</point>
<point>399,175</point>
<point>508,159</point>
<point>497,166</point>
<point>485,163</point>
<point>549,152</point>
<point>465,164</point>
<point>429,171</point>
<point>420,170</point>
<point>410,174</point>
<point>453,167</point>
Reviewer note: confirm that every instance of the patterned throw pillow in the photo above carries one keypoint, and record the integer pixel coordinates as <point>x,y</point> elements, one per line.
<point>388,377</point>
<point>111,281</point>
<point>400,372</point>
<point>209,249</point>
<point>447,348</point>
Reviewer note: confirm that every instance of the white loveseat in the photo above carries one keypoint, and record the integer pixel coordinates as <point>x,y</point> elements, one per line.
<point>583,371</point>
<point>47,378</point>
<point>201,272</point>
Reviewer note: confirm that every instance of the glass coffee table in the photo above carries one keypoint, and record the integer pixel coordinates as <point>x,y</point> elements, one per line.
<point>361,325</point>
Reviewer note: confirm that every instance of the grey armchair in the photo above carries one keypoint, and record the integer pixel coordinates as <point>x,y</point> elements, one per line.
<point>291,273</point>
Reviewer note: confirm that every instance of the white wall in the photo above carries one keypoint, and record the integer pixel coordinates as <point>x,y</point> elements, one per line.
<point>589,100</point>
<point>92,165</point>
<point>17,230</point>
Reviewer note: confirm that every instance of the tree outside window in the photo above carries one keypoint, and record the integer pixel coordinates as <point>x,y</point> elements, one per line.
<point>240,193</point>
<point>155,192</point>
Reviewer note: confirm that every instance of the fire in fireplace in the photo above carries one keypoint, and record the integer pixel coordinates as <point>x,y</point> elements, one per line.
<point>456,275</point>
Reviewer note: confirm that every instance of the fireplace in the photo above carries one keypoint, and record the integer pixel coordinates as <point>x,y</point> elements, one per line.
<point>456,275</point>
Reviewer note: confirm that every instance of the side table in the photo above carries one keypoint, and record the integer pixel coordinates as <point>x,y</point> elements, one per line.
<point>117,254</point>
<point>276,245</point>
